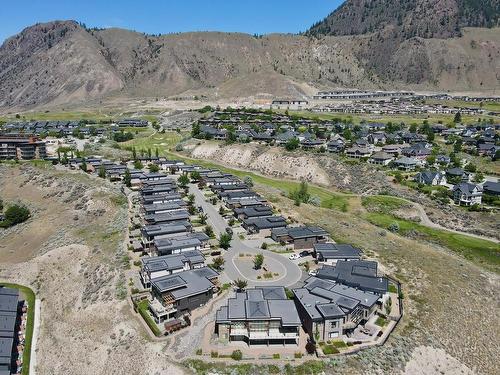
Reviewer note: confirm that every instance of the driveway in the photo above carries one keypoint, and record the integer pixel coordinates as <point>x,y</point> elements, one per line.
<point>234,268</point>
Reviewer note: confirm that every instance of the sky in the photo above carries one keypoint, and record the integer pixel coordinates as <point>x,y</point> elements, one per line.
<point>161,17</point>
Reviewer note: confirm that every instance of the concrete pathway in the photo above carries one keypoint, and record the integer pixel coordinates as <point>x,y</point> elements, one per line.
<point>289,272</point>
<point>34,340</point>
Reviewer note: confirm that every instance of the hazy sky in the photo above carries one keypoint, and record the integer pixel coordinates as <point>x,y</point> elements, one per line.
<point>153,17</point>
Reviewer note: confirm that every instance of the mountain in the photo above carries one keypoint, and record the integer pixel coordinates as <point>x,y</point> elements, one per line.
<point>387,44</point>
<point>409,18</point>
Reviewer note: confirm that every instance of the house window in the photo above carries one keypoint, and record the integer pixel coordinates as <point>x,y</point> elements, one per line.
<point>333,334</point>
<point>333,324</point>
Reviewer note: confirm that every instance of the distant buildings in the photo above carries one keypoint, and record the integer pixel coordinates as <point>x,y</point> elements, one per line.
<point>289,104</point>
<point>22,148</point>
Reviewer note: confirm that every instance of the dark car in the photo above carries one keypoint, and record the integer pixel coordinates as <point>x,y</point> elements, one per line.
<point>229,231</point>
<point>304,253</point>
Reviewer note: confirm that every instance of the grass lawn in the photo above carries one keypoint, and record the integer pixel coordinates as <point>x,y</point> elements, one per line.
<point>142,307</point>
<point>62,115</point>
<point>381,321</point>
<point>147,139</point>
<point>383,203</point>
<point>30,297</point>
<point>328,349</point>
<point>482,252</point>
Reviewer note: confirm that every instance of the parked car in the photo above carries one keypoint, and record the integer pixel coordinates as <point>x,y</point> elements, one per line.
<point>304,253</point>
<point>313,273</point>
<point>294,256</point>
<point>229,231</point>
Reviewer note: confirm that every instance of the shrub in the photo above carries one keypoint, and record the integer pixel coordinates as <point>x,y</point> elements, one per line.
<point>237,355</point>
<point>276,356</point>
<point>264,246</point>
<point>199,351</point>
<point>310,347</point>
<point>15,214</point>
<point>394,228</point>
<point>214,354</point>
<point>298,355</point>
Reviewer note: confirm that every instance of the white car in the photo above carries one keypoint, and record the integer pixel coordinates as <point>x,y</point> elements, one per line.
<point>294,256</point>
<point>313,273</point>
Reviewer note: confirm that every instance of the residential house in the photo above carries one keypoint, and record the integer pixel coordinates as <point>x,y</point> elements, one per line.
<point>180,244</point>
<point>22,148</point>
<point>260,316</point>
<point>154,267</point>
<point>491,188</point>
<point>330,310</point>
<point>301,237</point>
<point>457,174</point>
<point>330,253</point>
<point>176,295</point>
<point>253,211</point>
<point>406,164</point>
<point>151,232</point>
<point>263,225</point>
<point>358,152</point>
<point>467,194</point>
<point>432,178</point>
<point>381,158</point>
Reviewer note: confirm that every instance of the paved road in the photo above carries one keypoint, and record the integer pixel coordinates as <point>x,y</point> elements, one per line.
<point>289,272</point>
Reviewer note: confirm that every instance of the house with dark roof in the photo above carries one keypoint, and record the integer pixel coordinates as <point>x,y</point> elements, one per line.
<point>176,295</point>
<point>330,310</point>
<point>242,213</point>
<point>167,217</point>
<point>263,225</point>
<point>491,188</point>
<point>358,152</point>
<point>361,274</point>
<point>303,237</point>
<point>331,253</point>
<point>155,267</point>
<point>259,316</point>
<point>380,158</point>
<point>9,329</point>
<point>406,163</point>
<point>467,194</point>
<point>457,174</point>
<point>156,231</point>
<point>432,178</point>
<point>179,244</point>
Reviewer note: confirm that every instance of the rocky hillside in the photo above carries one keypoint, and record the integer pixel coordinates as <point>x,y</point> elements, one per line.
<point>62,62</point>
<point>409,18</point>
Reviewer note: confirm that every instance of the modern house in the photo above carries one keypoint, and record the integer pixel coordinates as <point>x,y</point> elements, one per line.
<point>180,244</point>
<point>467,194</point>
<point>260,316</point>
<point>253,211</point>
<point>331,253</point>
<point>9,328</point>
<point>430,178</point>
<point>301,237</point>
<point>491,188</point>
<point>155,267</point>
<point>330,310</point>
<point>361,274</point>
<point>167,217</point>
<point>358,152</point>
<point>289,104</point>
<point>264,225</point>
<point>176,295</point>
<point>151,232</point>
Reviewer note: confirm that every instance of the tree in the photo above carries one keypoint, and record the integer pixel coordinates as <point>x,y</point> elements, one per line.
<point>398,177</point>
<point>101,172</point>
<point>196,130</point>
<point>218,263</point>
<point>458,118</point>
<point>183,180</point>
<point>240,284</point>
<point>1,205</point>
<point>413,128</point>
<point>134,153</point>
<point>292,144</point>
<point>16,214</point>
<point>127,179</point>
<point>478,178</point>
<point>430,136</point>
<point>248,181</point>
<point>203,218</point>
<point>83,166</point>
<point>138,164</point>
<point>258,261</point>
<point>225,241</point>
<point>191,199</point>
<point>154,168</point>
<point>149,153</point>
<point>209,231</point>
<point>157,153</point>
<point>457,147</point>
<point>195,176</point>
<point>470,168</point>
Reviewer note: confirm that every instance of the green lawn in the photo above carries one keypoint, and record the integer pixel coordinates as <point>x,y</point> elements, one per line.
<point>30,297</point>
<point>383,203</point>
<point>142,307</point>
<point>149,140</point>
<point>482,252</point>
